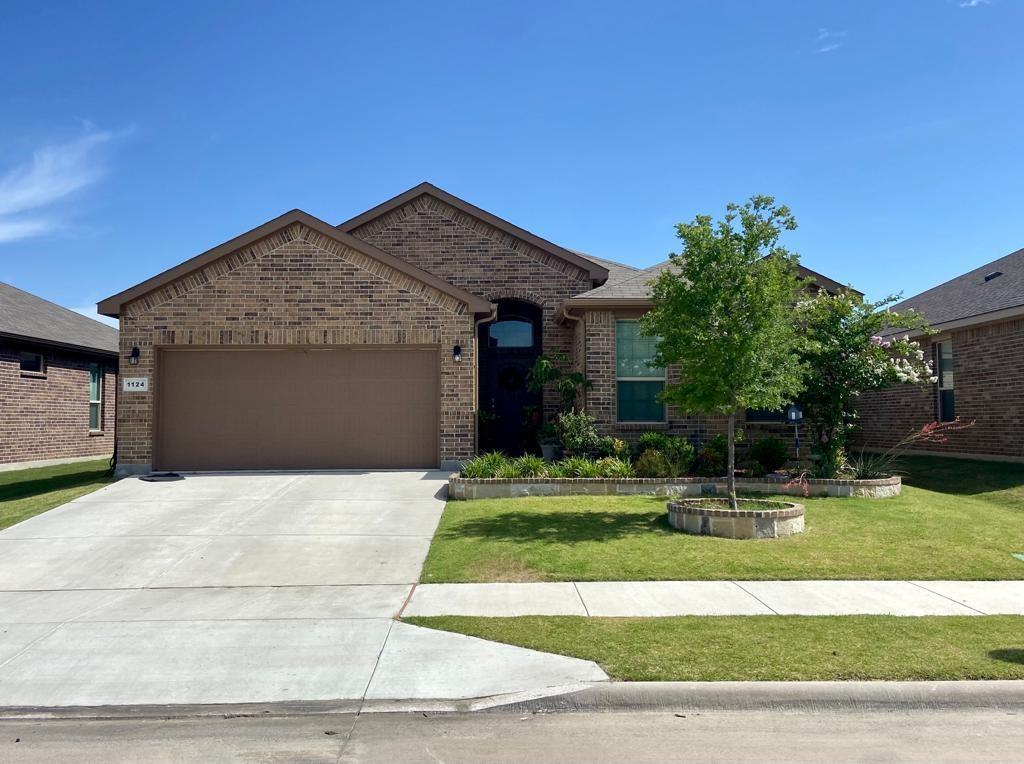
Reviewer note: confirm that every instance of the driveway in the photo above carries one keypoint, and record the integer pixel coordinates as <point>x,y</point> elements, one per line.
<point>241,588</point>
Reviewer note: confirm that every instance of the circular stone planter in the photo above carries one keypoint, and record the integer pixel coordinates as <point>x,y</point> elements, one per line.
<point>755,519</point>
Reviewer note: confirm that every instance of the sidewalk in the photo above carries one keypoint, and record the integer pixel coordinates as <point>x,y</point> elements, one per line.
<point>670,598</point>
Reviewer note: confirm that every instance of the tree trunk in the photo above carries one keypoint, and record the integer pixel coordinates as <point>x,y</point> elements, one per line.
<point>731,474</point>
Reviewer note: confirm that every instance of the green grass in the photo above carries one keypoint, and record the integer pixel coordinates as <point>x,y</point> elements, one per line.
<point>744,648</point>
<point>956,519</point>
<point>25,493</point>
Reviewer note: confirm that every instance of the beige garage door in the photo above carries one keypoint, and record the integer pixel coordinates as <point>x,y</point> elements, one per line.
<point>296,409</point>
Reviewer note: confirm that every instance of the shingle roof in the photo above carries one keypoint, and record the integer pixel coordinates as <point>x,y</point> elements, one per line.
<point>24,315</point>
<point>616,271</point>
<point>969,295</point>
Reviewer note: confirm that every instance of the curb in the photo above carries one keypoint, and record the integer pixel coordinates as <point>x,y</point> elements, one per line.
<point>610,697</point>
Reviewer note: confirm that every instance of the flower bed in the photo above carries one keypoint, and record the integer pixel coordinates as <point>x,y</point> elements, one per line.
<point>498,488</point>
<point>755,519</point>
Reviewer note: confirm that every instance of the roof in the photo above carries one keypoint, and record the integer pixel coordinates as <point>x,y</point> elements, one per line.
<point>27,317</point>
<point>635,289</point>
<point>597,271</point>
<point>970,298</point>
<point>112,305</point>
<point>616,271</point>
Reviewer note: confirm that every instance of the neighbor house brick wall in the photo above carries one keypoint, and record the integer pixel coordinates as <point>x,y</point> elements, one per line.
<point>48,417</point>
<point>297,288</point>
<point>988,376</point>
<point>481,259</point>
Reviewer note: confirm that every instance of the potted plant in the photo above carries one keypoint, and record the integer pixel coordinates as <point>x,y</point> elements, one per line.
<point>549,440</point>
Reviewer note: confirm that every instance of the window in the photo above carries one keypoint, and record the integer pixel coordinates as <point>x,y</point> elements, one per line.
<point>944,358</point>
<point>639,384</point>
<point>511,333</point>
<point>766,415</point>
<point>95,397</point>
<point>32,363</point>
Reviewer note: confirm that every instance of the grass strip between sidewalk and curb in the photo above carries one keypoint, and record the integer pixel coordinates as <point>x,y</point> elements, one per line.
<point>762,648</point>
<point>29,492</point>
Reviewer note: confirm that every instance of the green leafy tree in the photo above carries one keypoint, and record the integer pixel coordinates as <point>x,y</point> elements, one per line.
<point>723,314</point>
<point>846,353</point>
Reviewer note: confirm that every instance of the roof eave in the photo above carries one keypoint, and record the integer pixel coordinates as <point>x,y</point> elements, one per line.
<point>111,306</point>
<point>57,344</point>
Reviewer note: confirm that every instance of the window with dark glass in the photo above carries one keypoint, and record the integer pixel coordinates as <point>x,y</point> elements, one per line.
<point>638,383</point>
<point>32,363</point>
<point>944,362</point>
<point>511,333</point>
<point>95,397</point>
<point>766,415</point>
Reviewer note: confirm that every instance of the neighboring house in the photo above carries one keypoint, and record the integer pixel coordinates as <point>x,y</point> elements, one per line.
<point>400,338</point>
<point>978,355</point>
<point>58,380</point>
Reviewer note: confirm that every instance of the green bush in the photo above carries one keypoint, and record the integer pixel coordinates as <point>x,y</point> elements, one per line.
<point>680,454</point>
<point>652,439</point>
<point>772,453</point>
<point>530,466</point>
<point>712,458</point>
<point>578,431</point>
<point>575,467</point>
<point>486,465</point>
<point>653,464</point>
<point>611,467</point>
<point>609,446</point>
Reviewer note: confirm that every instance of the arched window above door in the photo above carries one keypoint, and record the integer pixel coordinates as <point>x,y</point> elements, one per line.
<point>510,333</point>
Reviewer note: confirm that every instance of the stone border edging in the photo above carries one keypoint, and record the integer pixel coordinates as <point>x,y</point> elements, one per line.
<point>687,515</point>
<point>502,488</point>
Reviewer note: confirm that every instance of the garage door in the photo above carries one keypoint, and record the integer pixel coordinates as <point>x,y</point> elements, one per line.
<point>296,409</point>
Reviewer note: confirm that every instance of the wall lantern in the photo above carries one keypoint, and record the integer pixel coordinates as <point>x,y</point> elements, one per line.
<point>133,357</point>
<point>794,414</point>
<point>457,353</point>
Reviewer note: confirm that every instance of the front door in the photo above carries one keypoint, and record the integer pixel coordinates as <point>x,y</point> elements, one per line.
<point>509,346</point>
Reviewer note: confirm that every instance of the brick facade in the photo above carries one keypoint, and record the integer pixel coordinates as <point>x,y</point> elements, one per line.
<point>988,368</point>
<point>47,417</point>
<point>599,361</point>
<point>481,259</point>
<point>297,287</point>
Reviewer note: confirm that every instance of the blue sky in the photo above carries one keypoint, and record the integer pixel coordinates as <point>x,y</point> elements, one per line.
<point>135,135</point>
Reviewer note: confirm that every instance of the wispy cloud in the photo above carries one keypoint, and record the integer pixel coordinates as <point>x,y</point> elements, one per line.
<point>827,41</point>
<point>973,3</point>
<point>54,172</point>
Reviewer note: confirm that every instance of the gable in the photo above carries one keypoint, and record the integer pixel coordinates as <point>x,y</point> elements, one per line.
<point>291,227</point>
<point>427,198</point>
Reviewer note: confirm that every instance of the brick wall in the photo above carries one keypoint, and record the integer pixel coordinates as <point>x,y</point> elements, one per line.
<point>481,259</point>
<point>296,287</point>
<point>48,417</point>
<point>988,374</point>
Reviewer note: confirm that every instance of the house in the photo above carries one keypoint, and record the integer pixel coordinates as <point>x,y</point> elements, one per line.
<point>402,337</point>
<point>978,355</point>
<point>58,379</point>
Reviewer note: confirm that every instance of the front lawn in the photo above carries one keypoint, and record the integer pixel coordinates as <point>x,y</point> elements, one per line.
<point>762,648</point>
<point>956,519</point>
<point>24,493</point>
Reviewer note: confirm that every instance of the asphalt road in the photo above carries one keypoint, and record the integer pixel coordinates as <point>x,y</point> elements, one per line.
<point>791,736</point>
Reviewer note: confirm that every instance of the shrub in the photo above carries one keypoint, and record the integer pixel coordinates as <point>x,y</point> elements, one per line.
<point>612,467</point>
<point>772,453</point>
<point>680,454</point>
<point>575,467</point>
<point>486,465</point>
<point>652,439</point>
<point>578,431</point>
<point>652,464</point>
<point>712,458</point>
<point>530,466</point>
<point>609,446</point>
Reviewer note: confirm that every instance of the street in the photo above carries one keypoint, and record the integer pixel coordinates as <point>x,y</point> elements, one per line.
<point>763,735</point>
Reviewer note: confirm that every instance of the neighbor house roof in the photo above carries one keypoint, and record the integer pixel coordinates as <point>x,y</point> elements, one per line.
<point>24,316</point>
<point>597,272</point>
<point>635,290</point>
<point>975,297</point>
<point>112,305</point>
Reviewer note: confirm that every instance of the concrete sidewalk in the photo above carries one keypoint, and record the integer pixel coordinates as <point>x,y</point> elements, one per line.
<point>668,598</point>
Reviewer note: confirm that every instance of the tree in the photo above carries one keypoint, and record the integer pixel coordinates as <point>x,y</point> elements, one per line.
<point>722,312</point>
<point>845,354</point>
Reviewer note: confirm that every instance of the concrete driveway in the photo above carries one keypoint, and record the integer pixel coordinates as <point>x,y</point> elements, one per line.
<point>241,588</point>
